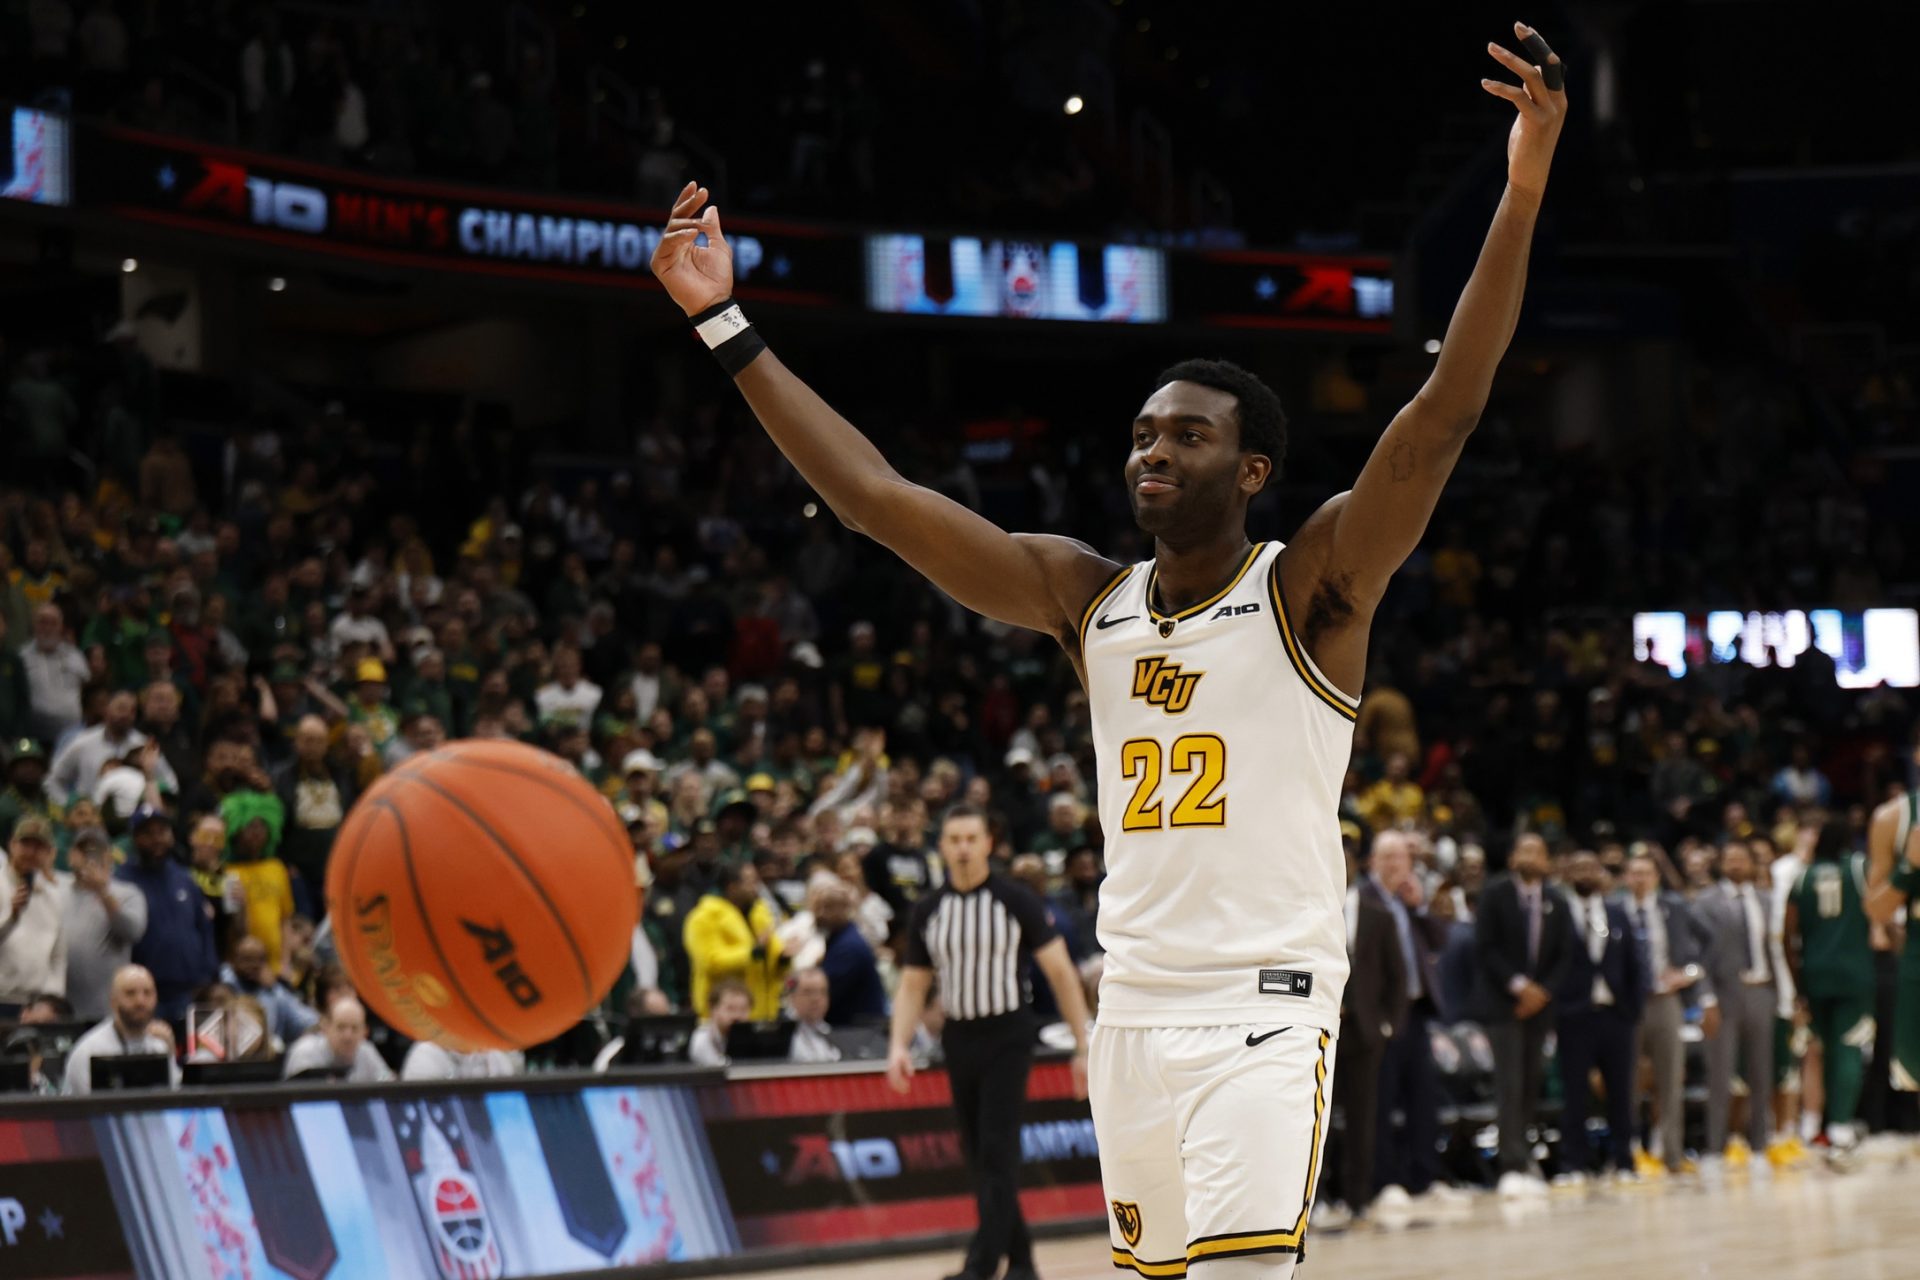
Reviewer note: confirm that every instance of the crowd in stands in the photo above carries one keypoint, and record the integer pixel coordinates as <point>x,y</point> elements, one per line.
<point>207,655</point>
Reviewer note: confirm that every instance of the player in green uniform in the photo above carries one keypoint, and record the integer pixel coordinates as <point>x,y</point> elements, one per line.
<point>1831,957</point>
<point>1893,879</point>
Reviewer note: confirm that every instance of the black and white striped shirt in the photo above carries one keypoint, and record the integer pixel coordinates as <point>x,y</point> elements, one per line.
<point>977,944</point>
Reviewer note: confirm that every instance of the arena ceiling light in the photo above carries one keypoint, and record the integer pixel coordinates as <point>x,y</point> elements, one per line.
<point>277,285</point>
<point>1433,346</point>
<point>1074,105</point>
<point>129,265</point>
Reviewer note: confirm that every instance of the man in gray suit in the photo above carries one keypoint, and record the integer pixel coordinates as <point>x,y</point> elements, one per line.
<point>1674,945</point>
<point>1740,968</point>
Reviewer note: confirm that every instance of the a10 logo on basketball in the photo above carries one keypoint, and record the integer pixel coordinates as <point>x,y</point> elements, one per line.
<point>496,947</point>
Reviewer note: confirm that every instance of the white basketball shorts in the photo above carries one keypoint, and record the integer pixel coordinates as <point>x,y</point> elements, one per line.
<point>1210,1140</point>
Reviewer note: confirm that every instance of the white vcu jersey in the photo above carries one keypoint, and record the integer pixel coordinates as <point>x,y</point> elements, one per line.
<point>1221,754</point>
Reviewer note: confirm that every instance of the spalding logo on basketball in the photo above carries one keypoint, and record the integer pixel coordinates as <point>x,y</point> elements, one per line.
<point>483,896</point>
<point>458,1217</point>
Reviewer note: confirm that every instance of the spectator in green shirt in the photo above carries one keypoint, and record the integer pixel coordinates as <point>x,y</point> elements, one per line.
<point>1066,831</point>
<point>428,692</point>
<point>24,791</point>
<point>120,630</point>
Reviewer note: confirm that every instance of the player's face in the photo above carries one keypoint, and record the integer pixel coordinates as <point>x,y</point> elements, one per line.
<point>1186,473</point>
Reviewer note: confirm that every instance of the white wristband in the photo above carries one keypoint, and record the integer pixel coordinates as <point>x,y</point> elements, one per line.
<point>730,323</point>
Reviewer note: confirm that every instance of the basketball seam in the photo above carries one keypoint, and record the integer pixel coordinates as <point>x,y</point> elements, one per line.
<point>426,921</point>
<point>586,976</point>
<point>554,785</point>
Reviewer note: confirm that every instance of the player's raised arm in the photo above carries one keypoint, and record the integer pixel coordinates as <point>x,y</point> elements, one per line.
<point>1376,526</point>
<point>1029,580</point>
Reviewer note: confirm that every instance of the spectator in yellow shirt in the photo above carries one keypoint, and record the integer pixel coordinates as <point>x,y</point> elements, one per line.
<point>1394,799</point>
<point>729,934</point>
<point>255,821</point>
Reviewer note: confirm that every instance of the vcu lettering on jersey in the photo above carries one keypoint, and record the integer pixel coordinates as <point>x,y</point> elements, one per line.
<point>1221,751</point>
<point>1164,684</point>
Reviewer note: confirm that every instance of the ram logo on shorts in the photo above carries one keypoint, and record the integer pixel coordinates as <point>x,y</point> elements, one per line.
<point>1127,1215</point>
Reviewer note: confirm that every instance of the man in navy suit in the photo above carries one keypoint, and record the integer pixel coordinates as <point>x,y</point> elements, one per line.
<point>1407,1159</point>
<point>1523,945</point>
<point>1599,1000</point>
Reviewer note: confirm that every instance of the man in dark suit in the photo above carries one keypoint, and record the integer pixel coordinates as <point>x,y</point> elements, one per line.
<point>1673,944</point>
<point>1374,1004</point>
<point>1409,1083</point>
<point>1598,1002</point>
<point>1522,941</point>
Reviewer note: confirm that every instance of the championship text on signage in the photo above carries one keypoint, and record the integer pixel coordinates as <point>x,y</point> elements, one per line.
<point>173,182</point>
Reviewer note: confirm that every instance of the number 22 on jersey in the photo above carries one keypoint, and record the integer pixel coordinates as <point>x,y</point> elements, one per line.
<point>1146,762</point>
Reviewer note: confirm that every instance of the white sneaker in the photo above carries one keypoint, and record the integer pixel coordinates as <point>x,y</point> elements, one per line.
<point>1331,1217</point>
<point>1536,1187</point>
<point>1626,1178</point>
<point>1446,1194</point>
<point>1515,1185</point>
<point>1393,1199</point>
<point>1571,1178</point>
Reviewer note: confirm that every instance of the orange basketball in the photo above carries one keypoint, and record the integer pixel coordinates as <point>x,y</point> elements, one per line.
<point>482,896</point>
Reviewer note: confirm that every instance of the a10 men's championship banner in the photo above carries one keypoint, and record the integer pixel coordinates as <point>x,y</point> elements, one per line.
<point>404,1183</point>
<point>405,222</point>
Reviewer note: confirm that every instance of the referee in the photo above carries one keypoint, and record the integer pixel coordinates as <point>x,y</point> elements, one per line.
<point>976,933</point>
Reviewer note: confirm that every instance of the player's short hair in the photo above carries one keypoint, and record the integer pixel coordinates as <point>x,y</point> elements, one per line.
<point>1263,423</point>
<point>1834,841</point>
<point>957,811</point>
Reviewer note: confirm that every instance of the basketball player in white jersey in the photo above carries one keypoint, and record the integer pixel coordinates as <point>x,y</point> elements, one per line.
<point>1224,681</point>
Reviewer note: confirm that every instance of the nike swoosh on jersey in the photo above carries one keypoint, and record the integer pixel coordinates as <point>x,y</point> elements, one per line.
<point>1104,623</point>
<point>1253,1040</point>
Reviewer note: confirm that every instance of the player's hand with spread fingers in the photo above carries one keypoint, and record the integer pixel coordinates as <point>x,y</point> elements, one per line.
<point>1540,100</point>
<point>696,276</point>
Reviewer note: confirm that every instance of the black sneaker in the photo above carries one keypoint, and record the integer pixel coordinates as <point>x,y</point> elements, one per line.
<point>967,1275</point>
<point>1021,1273</point>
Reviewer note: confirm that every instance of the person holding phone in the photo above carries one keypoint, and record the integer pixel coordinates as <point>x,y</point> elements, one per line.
<point>33,912</point>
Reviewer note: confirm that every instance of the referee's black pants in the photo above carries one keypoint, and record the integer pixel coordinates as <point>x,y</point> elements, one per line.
<point>987,1064</point>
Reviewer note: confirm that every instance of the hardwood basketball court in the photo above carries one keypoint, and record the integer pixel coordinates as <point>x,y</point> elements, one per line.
<point>1804,1225</point>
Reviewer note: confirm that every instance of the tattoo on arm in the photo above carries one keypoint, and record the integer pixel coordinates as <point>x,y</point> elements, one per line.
<point>1401,461</point>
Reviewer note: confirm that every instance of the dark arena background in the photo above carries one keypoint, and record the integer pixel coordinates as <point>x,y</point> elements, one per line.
<point>343,417</point>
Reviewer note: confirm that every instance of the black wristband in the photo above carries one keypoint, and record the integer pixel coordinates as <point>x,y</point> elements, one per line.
<point>729,335</point>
